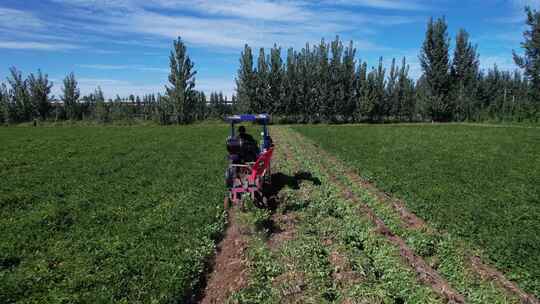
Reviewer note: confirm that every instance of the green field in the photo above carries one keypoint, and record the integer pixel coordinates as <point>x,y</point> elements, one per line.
<point>105,214</point>
<point>479,183</point>
<point>132,214</point>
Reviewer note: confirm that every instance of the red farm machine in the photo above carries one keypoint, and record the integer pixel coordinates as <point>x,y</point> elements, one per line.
<point>249,170</point>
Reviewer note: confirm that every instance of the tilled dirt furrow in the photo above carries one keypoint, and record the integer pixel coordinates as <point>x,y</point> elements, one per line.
<point>229,273</point>
<point>425,273</point>
<point>487,272</point>
<point>296,283</point>
<point>342,275</point>
<point>409,219</point>
<point>287,222</point>
<point>412,221</point>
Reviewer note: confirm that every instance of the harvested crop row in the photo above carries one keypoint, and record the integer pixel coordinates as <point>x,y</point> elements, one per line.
<point>477,183</point>
<point>442,251</point>
<point>240,272</point>
<point>476,277</point>
<point>377,273</point>
<point>281,265</point>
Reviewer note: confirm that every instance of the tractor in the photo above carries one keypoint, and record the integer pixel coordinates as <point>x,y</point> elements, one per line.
<point>248,171</point>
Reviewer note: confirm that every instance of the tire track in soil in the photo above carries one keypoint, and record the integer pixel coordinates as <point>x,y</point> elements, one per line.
<point>412,221</point>
<point>229,271</point>
<point>425,273</point>
<point>287,230</point>
<point>288,221</point>
<point>488,272</point>
<point>343,274</point>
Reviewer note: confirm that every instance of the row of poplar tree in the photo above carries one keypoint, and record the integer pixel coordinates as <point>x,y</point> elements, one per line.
<point>320,83</point>
<point>29,99</point>
<point>325,83</point>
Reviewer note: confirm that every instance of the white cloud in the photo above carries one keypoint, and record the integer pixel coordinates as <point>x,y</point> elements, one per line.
<point>518,12</point>
<point>248,9</point>
<point>16,19</point>
<point>222,26</point>
<point>97,5</point>
<point>112,87</point>
<point>123,67</point>
<point>234,33</point>
<point>520,4</point>
<point>22,30</point>
<point>227,25</point>
<point>200,31</point>
<point>41,46</point>
<point>503,61</point>
<point>232,23</point>
<point>386,4</point>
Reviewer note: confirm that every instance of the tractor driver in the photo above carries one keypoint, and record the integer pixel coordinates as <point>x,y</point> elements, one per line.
<point>249,144</point>
<point>245,136</point>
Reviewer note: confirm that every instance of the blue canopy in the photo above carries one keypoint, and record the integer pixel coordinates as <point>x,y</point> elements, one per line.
<point>263,118</point>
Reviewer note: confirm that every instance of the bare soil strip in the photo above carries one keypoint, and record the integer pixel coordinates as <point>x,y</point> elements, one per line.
<point>287,222</point>
<point>425,273</point>
<point>229,271</point>
<point>286,231</point>
<point>409,219</point>
<point>487,272</point>
<point>412,221</point>
<point>342,274</point>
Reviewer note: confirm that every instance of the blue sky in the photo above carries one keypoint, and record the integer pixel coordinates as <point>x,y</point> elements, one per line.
<point>123,45</point>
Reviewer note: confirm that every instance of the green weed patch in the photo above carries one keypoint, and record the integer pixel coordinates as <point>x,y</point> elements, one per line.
<point>108,214</point>
<point>478,183</point>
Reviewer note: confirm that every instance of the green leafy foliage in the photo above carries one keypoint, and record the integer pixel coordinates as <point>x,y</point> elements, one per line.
<point>94,215</point>
<point>329,252</point>
<point>478,183</point>
<point>381,275</point>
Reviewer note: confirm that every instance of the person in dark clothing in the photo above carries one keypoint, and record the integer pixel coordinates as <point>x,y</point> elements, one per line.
<point>250,150</point>
<point>245,136</point>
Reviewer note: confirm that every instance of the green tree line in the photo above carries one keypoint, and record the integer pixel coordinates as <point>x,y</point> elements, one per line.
<point>326,83</point>
<point>318,83</point>
<point>25,99</point>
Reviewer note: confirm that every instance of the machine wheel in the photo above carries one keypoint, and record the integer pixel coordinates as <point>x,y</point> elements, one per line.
<point>227,202</point>
<point>230,174</point>
<point>260,200</point>
<point>268,177</point>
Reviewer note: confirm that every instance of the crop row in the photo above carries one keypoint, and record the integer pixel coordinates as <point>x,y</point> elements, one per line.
<point>445,253</point>
<point>332,254</point>
<point>93,215</point>
<point>480,184</point>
